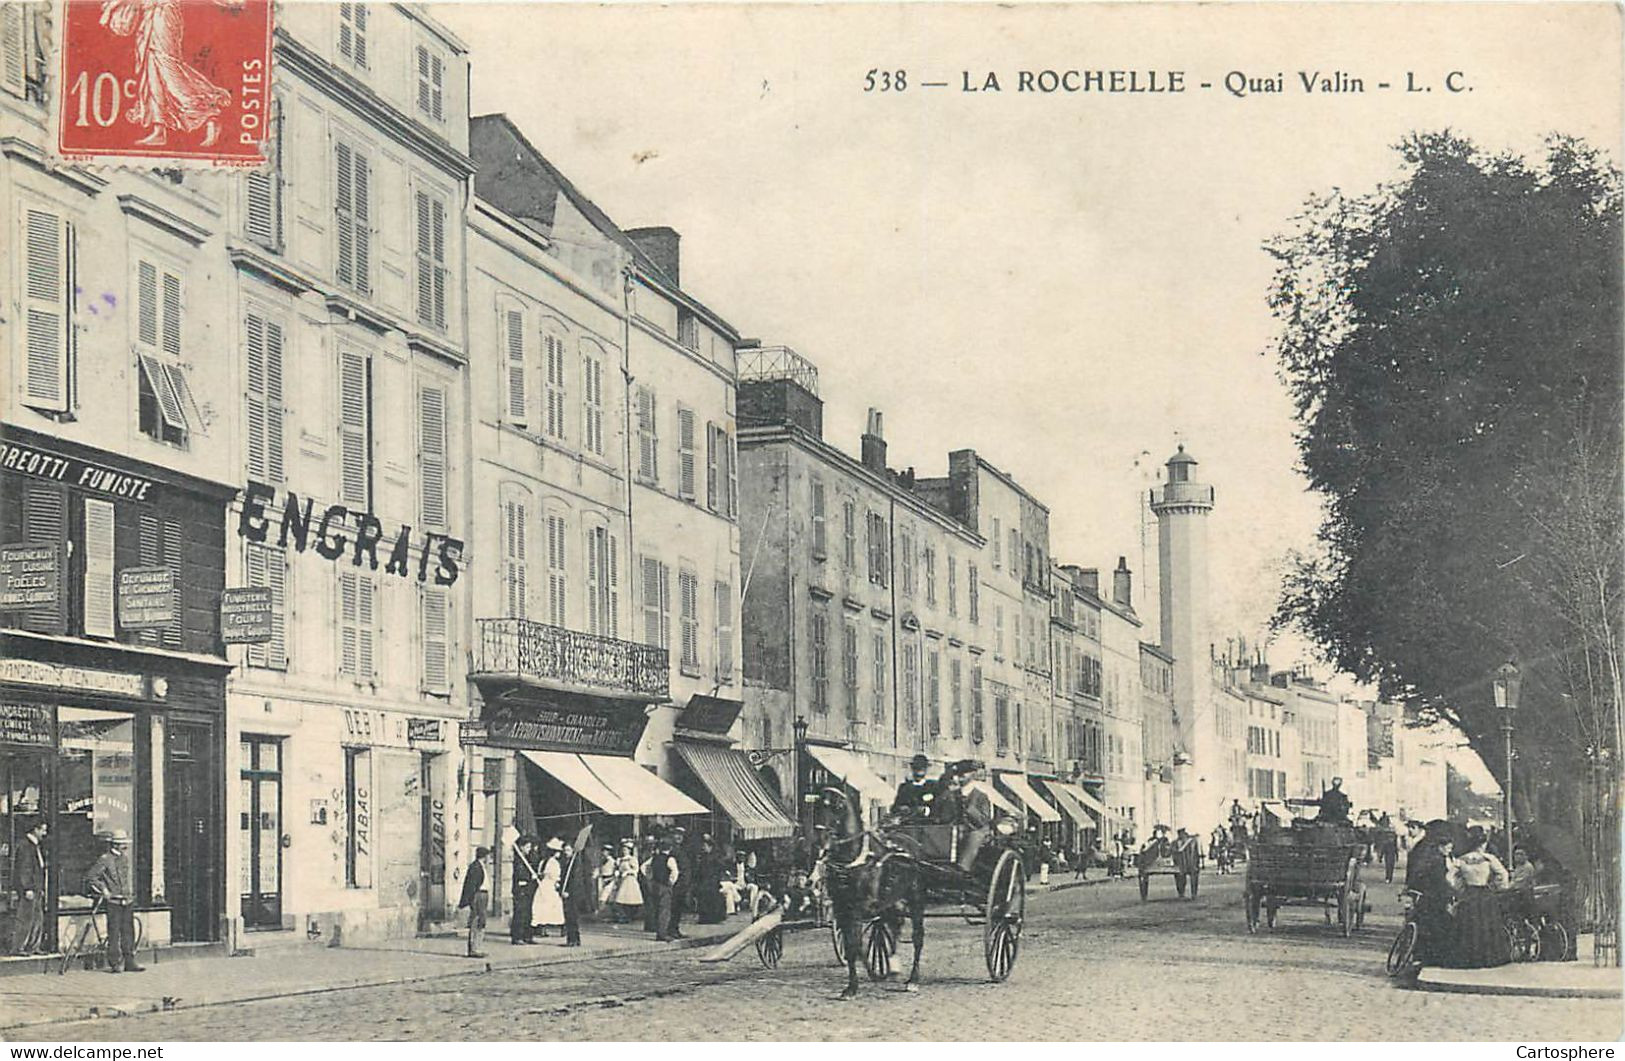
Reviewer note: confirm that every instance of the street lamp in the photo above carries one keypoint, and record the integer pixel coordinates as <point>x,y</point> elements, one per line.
<point>1507,680</point>
<point>799,726</point>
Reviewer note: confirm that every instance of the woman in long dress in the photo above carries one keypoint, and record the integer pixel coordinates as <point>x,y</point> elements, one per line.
<point>170,93</point>
<point>549,908</point>
<point>605,875</point>
<point>628,894</point>
<point>1476,876</point>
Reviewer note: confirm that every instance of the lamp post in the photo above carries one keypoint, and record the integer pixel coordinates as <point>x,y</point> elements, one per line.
<point>799,726</point>
<point>1507,680</point>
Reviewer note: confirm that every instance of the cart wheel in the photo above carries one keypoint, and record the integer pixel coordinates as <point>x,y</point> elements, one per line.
<point>1145,887</point>
<point>1554,942</point>
<point>770,948</point>
<point>838,941</point>
<point>1345,912</point>
<point>878,946</point>
<point>1253,901</point>
<point>1360,907</point>
<point>1402,954</point>
<point>1006,911</point>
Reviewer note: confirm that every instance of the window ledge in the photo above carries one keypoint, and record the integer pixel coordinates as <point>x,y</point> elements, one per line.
<point>81,179</point>
<point>156,215</point>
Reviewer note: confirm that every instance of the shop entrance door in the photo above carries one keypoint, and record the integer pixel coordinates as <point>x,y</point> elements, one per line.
<point>189,834</point>
<point>261,834</point>
<point>22,801</point>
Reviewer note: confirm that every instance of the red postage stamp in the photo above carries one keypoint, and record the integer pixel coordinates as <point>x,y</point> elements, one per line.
<point>166,80</point>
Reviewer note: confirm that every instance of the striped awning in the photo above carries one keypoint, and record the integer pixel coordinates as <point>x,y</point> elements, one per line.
<point>728,776</point>
<point>613,784</point>
<point>1093,804</point>
<point>1000,803</point>
<point>1017,784</point>
<point>1067,796</point>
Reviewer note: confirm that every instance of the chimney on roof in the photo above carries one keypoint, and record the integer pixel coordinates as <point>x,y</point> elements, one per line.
<point>874,443</point>
<point>1123,584</point>
<point>661,245</point>
<point>1089,579</point>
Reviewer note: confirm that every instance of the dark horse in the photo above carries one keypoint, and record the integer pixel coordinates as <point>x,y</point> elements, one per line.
<point>868,882</point>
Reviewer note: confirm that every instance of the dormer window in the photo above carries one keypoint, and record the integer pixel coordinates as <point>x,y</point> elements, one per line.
<point>431,73</point>
<point>353,34</point>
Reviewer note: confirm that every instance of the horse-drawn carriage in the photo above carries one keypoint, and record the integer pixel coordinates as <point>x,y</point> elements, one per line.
<point>1176,857</point>
<point>1305,864</point>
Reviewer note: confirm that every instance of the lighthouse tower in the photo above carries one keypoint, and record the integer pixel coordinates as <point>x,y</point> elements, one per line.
<point>1182,505</point>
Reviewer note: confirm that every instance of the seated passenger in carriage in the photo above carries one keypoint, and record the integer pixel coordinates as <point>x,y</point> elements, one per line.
<point>916,795</point>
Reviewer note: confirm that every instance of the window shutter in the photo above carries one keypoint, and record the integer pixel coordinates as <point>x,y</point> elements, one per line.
<point>98,568</point>
<point>711,467</point>
<point>685,453</point>
<point>349,643</point>
<point>262,188</point>
<point>594,582</point>
<point>514,549</point>
<point>648,453</point>
<point>725,624</point>
<point>423,80</point>
<point>733,474</point>
<point>553,351</point>
<point>264,399</point>
<point>652,634</point>
<point>436,641</point>
<point>556,585</point>
<point>432,454</point>
<point>363,224</point>
<point>355,471</point>
<point>513,342</point>
<point>425,259</point>
<point>353,33</point>
<point>48,330</point>
<point>45,522</point>
<point>14,49</point>
<point>665,606</point>
<point>820,531</point>
<point>614,606</point>
<point>365,622</point>
<point>437,79</point>
<point>344,211</point>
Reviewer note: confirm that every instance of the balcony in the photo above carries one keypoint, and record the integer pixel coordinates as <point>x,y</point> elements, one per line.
<point>552,657</point>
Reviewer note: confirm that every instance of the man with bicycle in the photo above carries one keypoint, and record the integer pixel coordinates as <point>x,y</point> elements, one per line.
<point>109,881</point>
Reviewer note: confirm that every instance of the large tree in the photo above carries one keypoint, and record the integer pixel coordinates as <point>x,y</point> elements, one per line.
<point>1452,342</point>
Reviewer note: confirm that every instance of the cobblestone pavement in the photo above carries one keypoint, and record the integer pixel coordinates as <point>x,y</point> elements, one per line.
<point>1096,963</point>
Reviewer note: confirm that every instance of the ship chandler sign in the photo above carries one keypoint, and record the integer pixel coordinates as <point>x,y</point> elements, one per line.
<point>556,729</point>
<point>343,536</point>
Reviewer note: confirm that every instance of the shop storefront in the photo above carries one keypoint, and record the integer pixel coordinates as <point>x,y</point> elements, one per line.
<point>112,681</point>
<point>831,764</point>
<point>714,772</point>
<point>1080,828</point>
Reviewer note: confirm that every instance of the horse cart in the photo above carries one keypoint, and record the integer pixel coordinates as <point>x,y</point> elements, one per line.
<point>1305,864</point>
<point>1163,857</point>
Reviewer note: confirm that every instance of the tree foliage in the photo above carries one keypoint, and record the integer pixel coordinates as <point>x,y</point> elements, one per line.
<point>1452,344</point>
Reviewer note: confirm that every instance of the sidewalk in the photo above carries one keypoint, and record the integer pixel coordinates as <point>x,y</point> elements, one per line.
<point>31,1000</point>
<point>1576,979</point>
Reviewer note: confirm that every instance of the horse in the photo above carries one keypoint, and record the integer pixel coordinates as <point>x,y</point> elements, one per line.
<point>866,885</point>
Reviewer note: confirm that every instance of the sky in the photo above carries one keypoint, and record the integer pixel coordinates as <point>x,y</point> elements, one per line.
<point>1070,283</point>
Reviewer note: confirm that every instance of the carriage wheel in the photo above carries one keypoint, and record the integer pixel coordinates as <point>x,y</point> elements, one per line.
<point>878,945</point>
<point>1145,887</point>
<point>1402,954</point>
<point>1345,912</point>
<point>1006,910</point>
<point>839,942</point>
<point>1554,941</point>
<point>770,948</point>
<point>1253,901</point>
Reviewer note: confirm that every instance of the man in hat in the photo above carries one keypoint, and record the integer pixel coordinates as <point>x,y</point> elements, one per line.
<point>972,809</point>
<point>28,879</point>
<point>682,882</point>
<point>915,795</point>
<point>522,888</point>
<point>476,899</point>
<point>664,873</point>
<point>1427,872</point>
<point>109,880</point>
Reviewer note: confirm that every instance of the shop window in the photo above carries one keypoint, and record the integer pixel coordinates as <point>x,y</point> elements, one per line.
<point>96,783</point>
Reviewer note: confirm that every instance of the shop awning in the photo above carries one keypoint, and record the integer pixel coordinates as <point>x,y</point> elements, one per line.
<point>1067,796</point>
<point>1017,783</point>
<point>613,784</point>
<point>728,776</point>
<point>853,771</point>
<point>1091,803</point>
<point>998,800</point>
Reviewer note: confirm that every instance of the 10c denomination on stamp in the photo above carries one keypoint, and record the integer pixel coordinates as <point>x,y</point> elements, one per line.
<point>165,80</point>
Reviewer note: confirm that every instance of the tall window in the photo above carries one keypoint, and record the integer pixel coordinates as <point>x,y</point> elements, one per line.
<point>820,533</point>
<point>933,692</point>
<point>18,71</point>
<point>688,602</point>
<point>724,631</point>
<point>262,188</point>
<point>648,441</point>
<point>433,476</point>
<point>722,482</point>
<point>956,700</point>
<point>911,687</point>
<point>820,660</point>
<point>355,430</point>
<point>556,586</point>
<point>353,34</point>
<point>263,398</point>
<point>352,209</point>
<point>159,545</point>
<point>45,522</point>
<point>879,550</point>
<point>1001,719</point>
<point>431,259</point>
<point>1015,554</point>
<point>268,567</point>
<point>953,586</point>
<point>998,630</point>
<point>47,310</point>
<point>603,583</point>
<point>515,557</point>
<point>167,411</point>
<point>435,629</point>
<point>976,731</point>
<point>849,668</point>
<point>511,325</point>
<point>879,682</point>
<point>930,560</point>
<point>592,404</point>
<point>686,469</point>
<point>849,518</point>
<point>431,84</point>
<point>556,393</point>
<point>973,588</point>
<point>656,603</point>
<point>994,540</point>
<point>905,560</point>
<point>358,625</point>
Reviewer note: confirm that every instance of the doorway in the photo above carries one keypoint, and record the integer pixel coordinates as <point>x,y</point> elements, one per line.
<point>189,835</point>
<point>23,800</point>
<point>260,839</point>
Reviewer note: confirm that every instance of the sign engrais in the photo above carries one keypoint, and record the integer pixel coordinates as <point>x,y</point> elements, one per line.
<point>254,524</point>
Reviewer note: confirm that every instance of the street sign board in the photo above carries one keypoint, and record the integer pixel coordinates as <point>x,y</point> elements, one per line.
<point>146,598</point>
<point>30,576</point>
<point>245,615</point>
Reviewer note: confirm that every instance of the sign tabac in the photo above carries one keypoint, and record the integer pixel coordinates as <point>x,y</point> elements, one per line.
<point>30,576</point>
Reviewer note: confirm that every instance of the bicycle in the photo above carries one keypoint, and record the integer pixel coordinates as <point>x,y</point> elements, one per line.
<point>95,956</point>
<point>1402,952</point>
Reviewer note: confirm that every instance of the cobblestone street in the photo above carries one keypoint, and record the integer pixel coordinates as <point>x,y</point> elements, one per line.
<point>1095,963</point>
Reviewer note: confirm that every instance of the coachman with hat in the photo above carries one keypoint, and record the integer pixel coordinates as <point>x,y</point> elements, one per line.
<point>109,880</point>
<point>916,794</point>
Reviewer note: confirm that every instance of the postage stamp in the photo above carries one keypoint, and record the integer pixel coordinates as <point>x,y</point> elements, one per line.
<point>165,80</point>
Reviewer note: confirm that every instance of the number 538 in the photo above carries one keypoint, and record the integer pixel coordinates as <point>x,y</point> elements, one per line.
<point>885,81</point>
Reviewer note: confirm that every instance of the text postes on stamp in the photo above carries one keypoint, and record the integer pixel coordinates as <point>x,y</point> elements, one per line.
<point>165,80</point>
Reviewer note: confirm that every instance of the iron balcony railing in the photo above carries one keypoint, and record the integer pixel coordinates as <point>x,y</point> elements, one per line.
<point>568,659</point>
